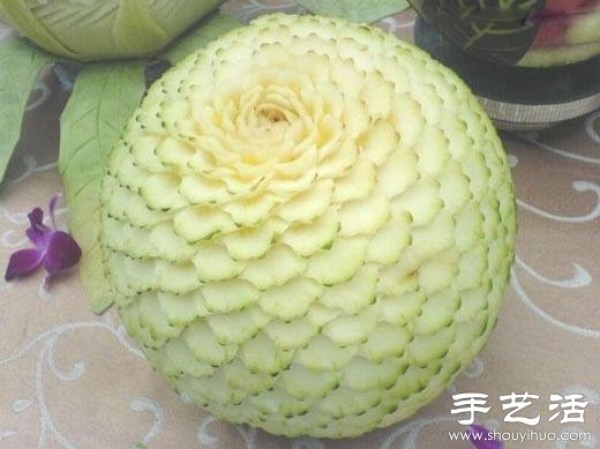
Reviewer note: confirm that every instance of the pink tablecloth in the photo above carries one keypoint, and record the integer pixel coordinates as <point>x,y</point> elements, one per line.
<point>71,379</point>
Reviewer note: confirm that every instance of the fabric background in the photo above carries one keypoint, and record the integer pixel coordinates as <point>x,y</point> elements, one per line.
<point>71,379</point>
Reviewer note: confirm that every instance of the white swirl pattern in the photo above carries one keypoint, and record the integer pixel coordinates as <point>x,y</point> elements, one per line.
<point>158,415</point>
<point>580,279</point>
<point>591,128</point>
<point>532,137</point>
<point>45,358</point>
<point>204,436</point>
<point>43,347</point>
<point>522,294</point>
<point>579,186</point>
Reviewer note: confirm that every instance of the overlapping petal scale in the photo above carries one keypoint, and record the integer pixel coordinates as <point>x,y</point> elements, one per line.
<point>309,226</point>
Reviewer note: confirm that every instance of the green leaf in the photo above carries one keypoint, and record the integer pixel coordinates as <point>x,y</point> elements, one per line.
<point>21,65</point>
<point>355,10</point>
<point>208,30</point>
<point>495,30</point>
<point>103,99</point>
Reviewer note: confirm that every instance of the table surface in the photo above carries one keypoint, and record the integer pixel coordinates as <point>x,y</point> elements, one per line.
<point>72,379</point>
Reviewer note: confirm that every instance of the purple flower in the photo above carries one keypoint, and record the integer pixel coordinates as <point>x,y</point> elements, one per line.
<point>483,438</point>
<point>56,250</point>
